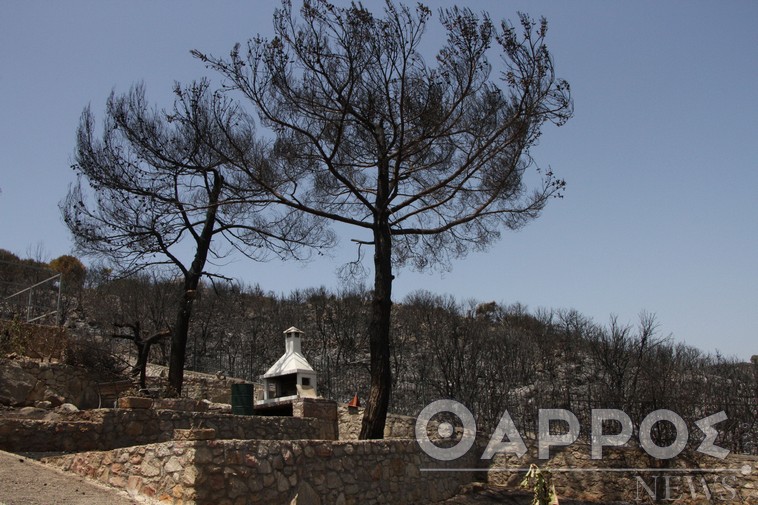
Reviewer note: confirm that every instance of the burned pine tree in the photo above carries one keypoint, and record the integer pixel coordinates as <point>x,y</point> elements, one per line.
<point>152,192</point>
<point>425,160</point>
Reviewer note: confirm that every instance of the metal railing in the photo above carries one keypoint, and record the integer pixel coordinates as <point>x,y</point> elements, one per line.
<point>30,306</point>
<point>28,298</point>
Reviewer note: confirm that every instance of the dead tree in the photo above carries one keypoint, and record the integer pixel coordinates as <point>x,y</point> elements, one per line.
<point>143,345</point>
<point>424,160</point>
<point>152,192</point>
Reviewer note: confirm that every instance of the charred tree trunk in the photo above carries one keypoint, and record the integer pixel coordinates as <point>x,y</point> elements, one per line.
<point>191,282</point>
<point>143,353</point>
<point>375,415</point>
<point>143,346</point>
<point>180,333</point>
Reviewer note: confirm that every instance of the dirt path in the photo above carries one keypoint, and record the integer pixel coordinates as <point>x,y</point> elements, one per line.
<point>24,481</point>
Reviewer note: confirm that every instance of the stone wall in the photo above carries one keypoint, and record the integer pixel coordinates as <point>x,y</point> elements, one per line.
<point>324,411</point>
<point>104,429</point>
<point>237,472</point>
<point>397,426</point>
<point>200,386</point>
<point>165,471</point>
<point>23,382</point>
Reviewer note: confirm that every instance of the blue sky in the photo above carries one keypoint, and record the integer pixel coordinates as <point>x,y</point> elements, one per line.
<point>661,158</point>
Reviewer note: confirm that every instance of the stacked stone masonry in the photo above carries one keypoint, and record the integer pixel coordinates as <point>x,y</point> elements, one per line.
<point>197,385</point>
<point>24,382</point>
<point>397,426</point>
<point>247,472</point>
<point>104,429</point>
<point>241,472</point>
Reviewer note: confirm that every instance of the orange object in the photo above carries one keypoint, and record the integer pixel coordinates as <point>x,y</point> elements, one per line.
<point>355,402</point>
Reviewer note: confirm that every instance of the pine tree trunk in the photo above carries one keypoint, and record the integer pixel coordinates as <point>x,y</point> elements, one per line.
<point>143,351</point>
<point>191,282</point>
<point>180,335</point>
<point>375,415</point>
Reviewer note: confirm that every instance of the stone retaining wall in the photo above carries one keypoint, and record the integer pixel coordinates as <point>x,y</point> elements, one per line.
<point>23,382</point>
<point>238,472</point>
<point>325,411</point>
<point>397,426</point>
<point>104,429</point>
<point>241,472</point>
<point>197,385</point>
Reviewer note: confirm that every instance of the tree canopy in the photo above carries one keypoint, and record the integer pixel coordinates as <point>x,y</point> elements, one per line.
<point>429,157</point>
<point>158,180</point>
<point>71,268</point>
